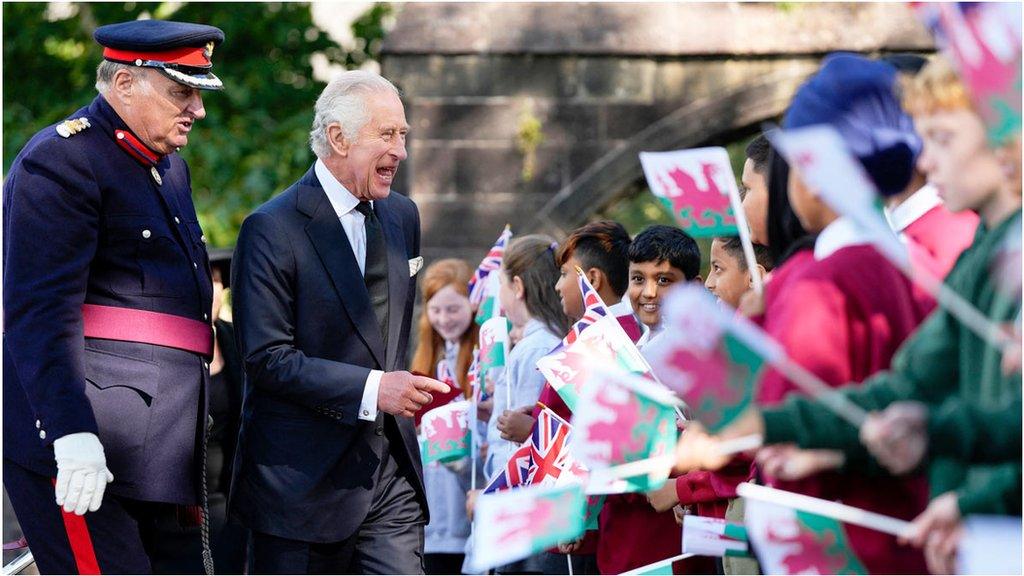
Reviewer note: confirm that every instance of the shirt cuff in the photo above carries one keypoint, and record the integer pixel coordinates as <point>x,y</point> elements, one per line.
<point>368,406</point>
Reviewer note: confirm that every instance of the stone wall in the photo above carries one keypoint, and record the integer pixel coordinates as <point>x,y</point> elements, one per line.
<point>603,81</point>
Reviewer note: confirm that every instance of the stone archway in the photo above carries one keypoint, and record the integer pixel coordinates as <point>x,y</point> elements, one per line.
<point>709,119</point>
<point>600,82</point>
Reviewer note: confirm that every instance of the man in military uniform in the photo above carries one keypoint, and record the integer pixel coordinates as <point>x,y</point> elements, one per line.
<point>107,294</point>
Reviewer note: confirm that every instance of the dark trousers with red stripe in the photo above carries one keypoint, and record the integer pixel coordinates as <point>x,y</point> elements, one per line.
<point>118,538</point>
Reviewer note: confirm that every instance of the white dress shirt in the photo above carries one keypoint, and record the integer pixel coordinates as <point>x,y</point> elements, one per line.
<point>839,234</point>
<point>917,205</point>
<point>352,220</point>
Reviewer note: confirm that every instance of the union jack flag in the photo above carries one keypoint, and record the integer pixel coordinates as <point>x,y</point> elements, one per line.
<point>444,372</point>
<point>593,310</point>
<point>490,263</point>
<point>540,460</point>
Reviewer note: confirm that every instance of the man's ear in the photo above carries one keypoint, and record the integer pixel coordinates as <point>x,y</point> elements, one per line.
<point>336,139</point>
<point>124,85</point>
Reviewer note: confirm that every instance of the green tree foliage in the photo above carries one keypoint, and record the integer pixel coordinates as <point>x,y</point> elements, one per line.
<point>253,141</point>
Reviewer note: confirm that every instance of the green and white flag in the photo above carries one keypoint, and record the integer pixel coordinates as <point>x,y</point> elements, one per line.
<point>513,524</point>
<point>790,541</point>
<point>445,433</point>
<point>625,419</point>
<point>709,356</point>
<point>713,537</point>
<point>494,348</point>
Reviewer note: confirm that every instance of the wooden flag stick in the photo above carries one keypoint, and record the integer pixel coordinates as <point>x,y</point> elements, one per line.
<point>741,444</point>
<point>820,391</point>
<point>834,510</point>
<point>645,466</point>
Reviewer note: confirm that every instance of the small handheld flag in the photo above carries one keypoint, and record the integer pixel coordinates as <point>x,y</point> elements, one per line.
<point>445,433</point>
<point>484,285</point>
<point>514,524</point>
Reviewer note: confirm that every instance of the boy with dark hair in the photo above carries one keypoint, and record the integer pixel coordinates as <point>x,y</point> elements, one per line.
<point>659,257</point>
<point>601,250</point>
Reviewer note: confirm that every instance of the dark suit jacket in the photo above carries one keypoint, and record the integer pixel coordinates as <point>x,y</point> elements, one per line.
<point>85,222</point>
<point>306,466</point>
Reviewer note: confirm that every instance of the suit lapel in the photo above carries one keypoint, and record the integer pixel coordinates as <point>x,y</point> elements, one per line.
<point>398,276</point>
<point>331,244</point>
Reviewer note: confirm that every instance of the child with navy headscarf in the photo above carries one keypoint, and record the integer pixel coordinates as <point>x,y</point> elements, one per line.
<point>845,311</point>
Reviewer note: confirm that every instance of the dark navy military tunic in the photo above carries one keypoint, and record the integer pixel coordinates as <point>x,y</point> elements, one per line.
<point>85,222</point>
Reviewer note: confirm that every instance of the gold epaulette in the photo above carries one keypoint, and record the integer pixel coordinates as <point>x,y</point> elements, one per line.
<point>69,128</point>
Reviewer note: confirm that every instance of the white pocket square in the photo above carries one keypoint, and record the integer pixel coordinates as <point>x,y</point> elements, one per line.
<point>414,265</point>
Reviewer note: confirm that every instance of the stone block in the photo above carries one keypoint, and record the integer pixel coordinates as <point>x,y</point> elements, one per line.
<point>447,120</point>
<point>430,170</point>
<point>621,79</point>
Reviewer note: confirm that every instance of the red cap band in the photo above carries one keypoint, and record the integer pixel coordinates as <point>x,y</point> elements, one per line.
<point>197,57</point>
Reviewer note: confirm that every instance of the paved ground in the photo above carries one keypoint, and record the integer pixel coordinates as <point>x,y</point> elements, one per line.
<point>11,532</point>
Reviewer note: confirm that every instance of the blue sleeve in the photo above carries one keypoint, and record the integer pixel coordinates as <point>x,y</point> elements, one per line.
<point>51,217</point>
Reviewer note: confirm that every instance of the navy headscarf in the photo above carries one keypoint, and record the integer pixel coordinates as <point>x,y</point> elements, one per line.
<point>857,97</point>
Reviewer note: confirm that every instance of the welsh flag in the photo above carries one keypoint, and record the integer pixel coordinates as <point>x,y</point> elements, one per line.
<point>983,40</point>
<point>597,334</point>
<point>703,361</point>
<point>694,185</point>
<point>713,537</point>
<point>494,347</point>
<point>490,306</point>
<point>514,524</point>
<point>483,286</point>
<point>791,541</point>
<point>445,433</point>
<point>473,378</point>
<point>624,418</point>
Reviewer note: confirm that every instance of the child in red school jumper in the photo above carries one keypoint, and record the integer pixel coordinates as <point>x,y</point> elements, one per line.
<point>600,250</point>
<point>632,533</point>
<point>843,309</point>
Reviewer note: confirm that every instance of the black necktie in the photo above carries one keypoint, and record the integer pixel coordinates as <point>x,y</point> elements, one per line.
<point>375,273</point>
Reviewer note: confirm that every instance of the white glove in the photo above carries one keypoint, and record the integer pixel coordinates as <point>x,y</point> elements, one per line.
<point>82,473</point>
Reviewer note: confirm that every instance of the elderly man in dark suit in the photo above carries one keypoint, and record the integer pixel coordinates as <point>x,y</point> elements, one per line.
<point>327,471</point>
<point>107,296</point>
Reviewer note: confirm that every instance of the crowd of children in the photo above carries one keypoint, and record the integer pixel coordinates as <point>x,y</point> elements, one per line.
<point>943,436</point>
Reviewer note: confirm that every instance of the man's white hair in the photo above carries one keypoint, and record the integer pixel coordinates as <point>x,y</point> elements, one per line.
<point>344,101</point>
<point>106,70</point>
